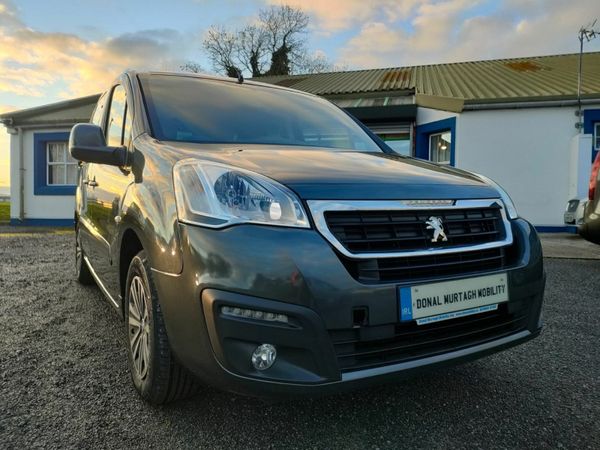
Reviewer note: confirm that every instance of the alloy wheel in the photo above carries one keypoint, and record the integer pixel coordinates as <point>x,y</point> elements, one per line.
<point>139,327</point>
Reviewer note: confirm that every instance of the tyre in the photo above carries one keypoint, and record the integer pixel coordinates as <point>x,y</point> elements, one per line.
<point>156,375</point>
<point>82,271</point>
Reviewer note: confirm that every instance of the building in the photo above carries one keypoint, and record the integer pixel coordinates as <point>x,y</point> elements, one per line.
<point>513,120</point>
<point>42,173</point>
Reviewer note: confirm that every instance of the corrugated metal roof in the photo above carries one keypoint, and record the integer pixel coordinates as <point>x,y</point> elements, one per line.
<point>533,78</point>
<point>346,82</point>
<point>52,111</point>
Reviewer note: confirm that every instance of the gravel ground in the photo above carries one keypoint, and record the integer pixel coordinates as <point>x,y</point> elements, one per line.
<point>64,380</point>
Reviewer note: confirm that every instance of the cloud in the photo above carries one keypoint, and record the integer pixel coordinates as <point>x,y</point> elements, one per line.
<point>339,15</point>
<point>4,148</point>
<point>8,17</point>
<point>34,63</point>
<point>4,165</point>
<point>458,30</point>
<point>40,67</point>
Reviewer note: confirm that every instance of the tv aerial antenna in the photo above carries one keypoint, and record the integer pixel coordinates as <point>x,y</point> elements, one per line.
<point>586,34</point>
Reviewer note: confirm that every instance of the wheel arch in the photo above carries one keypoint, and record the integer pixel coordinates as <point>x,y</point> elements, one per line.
<point>131,245</point>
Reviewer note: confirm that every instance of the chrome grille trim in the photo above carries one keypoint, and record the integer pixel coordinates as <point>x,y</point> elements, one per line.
<point>319,207</point>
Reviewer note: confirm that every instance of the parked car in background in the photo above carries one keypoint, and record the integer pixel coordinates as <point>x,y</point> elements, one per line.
<point>261,240</point>
<point>590,229</point>
<point>574,212</point>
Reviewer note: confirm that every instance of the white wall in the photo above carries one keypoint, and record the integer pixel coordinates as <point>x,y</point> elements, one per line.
<point>15,194</point>
<point>581,164</point>
<point>426,115</point>
<point>36,206</point>
<point>527,151</point>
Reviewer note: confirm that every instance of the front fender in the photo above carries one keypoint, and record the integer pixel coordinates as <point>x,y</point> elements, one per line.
<point>148,208</point>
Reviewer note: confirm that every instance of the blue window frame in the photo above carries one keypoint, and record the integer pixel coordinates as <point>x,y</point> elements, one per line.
<point>436,129</point>
<point>43,183</point>
<point>591,120</point>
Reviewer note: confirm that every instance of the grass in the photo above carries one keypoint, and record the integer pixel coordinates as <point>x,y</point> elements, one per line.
<point>4,212</point>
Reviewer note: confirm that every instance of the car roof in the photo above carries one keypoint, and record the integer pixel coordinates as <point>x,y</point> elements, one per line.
<point>204,76</point>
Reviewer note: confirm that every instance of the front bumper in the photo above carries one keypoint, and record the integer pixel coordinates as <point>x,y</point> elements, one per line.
<point>297,273</point>
<point>590,229</point>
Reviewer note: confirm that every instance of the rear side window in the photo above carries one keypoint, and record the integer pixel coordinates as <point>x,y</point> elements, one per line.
<point>192,109</point>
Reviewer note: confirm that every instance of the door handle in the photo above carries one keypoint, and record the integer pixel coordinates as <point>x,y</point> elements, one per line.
<point>91,183</point>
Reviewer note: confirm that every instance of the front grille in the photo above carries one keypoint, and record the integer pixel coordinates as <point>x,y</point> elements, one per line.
<point>405,230</point>
<point>357,348</point>
<point>414,268</point>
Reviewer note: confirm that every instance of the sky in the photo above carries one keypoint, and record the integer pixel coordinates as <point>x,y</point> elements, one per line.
<point>51,50</point>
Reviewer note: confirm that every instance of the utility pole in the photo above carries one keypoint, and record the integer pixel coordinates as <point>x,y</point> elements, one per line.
<point>586,34</point>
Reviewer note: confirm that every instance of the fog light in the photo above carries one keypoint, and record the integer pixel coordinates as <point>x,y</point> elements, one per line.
<point>264,356</point>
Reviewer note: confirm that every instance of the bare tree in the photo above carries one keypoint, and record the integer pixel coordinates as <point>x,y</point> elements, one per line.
<point>285,27</point>
<point>252,49</point>
<point>275,45</point>
<point>221,46</point>
<point>317,63</point>
<point>191,66</point>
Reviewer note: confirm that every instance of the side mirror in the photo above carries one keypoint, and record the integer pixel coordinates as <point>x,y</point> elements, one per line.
<point>87,143</point>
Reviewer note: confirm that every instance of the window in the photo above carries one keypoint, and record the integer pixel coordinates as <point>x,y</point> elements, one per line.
<point>597,136</point>
<point>365,102</point>
<point>116,118</point>
<point>62,168</point>
<point>399,142</point>
<point>436,141</point>
<point>54,171</point>
<point>345,102</point>
<point>191,109</point>
<point>99,111</point>
<point>396,137</point>
<point>439,147</point>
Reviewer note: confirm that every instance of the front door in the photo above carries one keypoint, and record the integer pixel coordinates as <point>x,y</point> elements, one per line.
<point>109,187</point>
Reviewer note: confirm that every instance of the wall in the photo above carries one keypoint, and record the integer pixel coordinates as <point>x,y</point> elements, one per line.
<point>527,151</point>
<point>581,164</point>
<point>15,194</point>
<point>36,207</point>
<point>426,115</point>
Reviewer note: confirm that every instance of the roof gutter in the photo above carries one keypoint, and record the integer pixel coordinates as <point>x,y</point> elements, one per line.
<point>522,105</point>
<point>56,123</point>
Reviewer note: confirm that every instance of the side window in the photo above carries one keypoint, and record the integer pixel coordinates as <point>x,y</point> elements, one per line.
<point>127,126</point>
<point>98,114</point>
<point>116,118</point>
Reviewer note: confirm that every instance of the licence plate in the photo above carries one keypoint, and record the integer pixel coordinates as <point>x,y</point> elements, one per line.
<point>428,303</point>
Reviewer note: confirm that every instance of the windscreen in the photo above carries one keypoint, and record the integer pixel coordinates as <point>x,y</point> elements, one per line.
<point>189,109</point>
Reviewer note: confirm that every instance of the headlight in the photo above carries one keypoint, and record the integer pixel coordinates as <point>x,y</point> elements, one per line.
<point>511,210</point>
<point>216,195</point>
